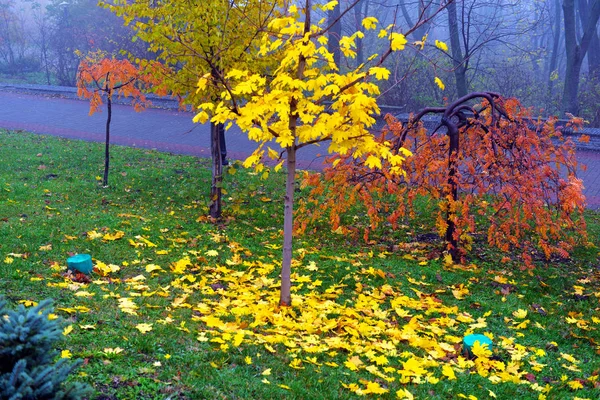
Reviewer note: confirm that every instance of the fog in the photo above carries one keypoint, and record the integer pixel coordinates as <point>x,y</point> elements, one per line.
<point>545,52</point>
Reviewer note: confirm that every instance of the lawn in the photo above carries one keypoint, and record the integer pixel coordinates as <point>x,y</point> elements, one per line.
<point>182,307</point>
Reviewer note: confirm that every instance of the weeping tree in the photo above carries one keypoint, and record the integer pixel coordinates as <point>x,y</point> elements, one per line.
<point>487,168</point>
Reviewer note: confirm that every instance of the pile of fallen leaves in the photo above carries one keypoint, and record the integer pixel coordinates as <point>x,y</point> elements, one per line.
<point>389,333</point>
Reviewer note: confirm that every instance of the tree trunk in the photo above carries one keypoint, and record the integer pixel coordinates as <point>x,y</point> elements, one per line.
<point>107,141</point>
<point>358,17</point>
<point>452,187</point>
<point>288,228</point>
<point>576,51</point>
<point>458,61</point>
<point>554,54</point>
<point>335,33</point>
<point>217,172</point>
<point>593,54</point>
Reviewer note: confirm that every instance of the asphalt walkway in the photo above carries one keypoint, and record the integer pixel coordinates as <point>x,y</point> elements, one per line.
<point>168,130</point>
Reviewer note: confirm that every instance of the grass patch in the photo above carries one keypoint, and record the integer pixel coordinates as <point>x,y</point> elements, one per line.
<point>185,308</point>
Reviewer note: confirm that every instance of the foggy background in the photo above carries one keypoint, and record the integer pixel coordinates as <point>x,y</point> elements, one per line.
<point>516,48</point>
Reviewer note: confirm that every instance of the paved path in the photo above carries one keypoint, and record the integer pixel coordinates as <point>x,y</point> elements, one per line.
<point>171,131</point>
<point>160,129</point>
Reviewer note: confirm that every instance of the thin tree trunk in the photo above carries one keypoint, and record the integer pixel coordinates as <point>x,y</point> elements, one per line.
<point>335,33</point>
<point>107,141</point>
<point>288,229</point>
<point>453,187</point>
<point>554,55</point>
<point>217,172</point>
<point>285,298</point>
<point>458,60</point>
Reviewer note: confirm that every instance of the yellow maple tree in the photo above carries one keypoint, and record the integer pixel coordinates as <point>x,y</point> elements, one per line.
<point>304,101</point>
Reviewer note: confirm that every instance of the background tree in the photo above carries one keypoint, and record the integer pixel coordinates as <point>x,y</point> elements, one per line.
<point>577,48</point>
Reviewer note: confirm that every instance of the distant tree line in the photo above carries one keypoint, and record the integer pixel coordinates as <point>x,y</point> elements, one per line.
<point>47,38</point>
<point>545,52</point>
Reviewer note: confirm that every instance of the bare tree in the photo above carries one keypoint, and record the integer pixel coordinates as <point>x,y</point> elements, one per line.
<point>577,48</point>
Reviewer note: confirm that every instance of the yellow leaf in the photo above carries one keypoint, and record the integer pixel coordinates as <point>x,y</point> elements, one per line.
<point>369,23</point>
<point>520,313</point>
<point>110,350</point>
<point>397,41</point>
<point>273,154</point>
<point>266,372</point>
<point>278,167</point>
<point>296,363</point>
<point>67,330</point>
<point>353,363</point>
<point>329,6</point>
<point>113,236</point>
<point>153,267</point>
<point>439,82</point>
<point>380,72</point>
<point>201,117</point>
<point>66,354</point>
<point>441,45</point>
<point>404,394</point>
<point>373,162</point>
<point>448,372</point>
<point>144,327</point>
<point>238,339</point>
<point>248,360</point>
<point>375,388</point>
<point>575,385</point>
<point>481,350</point>
<point>47,247</point>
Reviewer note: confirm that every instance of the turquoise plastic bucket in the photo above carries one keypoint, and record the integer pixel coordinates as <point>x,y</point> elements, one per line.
<point>80,263</point>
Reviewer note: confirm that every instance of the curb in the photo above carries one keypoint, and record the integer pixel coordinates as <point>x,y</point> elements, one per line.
<point>69,92</point>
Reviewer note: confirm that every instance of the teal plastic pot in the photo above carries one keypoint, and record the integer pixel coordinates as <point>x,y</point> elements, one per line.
<point>469,342</point>
<point>80,263</point>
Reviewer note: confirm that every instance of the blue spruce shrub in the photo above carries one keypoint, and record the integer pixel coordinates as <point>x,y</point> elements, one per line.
<point>28,369</point>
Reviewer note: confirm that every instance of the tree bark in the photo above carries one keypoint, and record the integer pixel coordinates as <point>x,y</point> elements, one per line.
<point>217,172</point>
<point>335,33</point>
<point>288,229</point>
<point>458,61</point>
<point>285,298</point>
<point>593,54</point>
<point>107,139</point>
<point>452,185</point>
<point>555,43</point>
<point>576,51</point>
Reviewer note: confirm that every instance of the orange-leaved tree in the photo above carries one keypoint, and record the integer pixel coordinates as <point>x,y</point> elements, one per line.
<point>100,77</point>
<point>488,169</point>
<point>306,100</point>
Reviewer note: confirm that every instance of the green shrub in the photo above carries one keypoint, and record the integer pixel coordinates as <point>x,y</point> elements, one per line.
<point>27,356</point>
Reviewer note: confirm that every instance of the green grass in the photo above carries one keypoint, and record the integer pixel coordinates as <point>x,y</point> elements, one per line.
<point>52,203</point>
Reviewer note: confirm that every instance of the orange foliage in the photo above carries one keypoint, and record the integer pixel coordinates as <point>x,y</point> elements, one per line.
<point>98,74</point>
<point>516,181</point>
